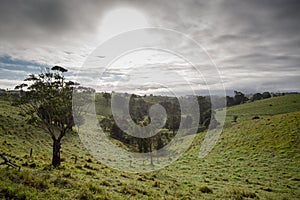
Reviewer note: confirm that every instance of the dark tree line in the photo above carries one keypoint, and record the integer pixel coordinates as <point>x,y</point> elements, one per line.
<point>240,98</point>
<point>139,108</point>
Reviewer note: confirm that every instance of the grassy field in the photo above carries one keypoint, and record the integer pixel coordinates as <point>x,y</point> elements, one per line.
<point>254,159</point>
<point>265,107</point>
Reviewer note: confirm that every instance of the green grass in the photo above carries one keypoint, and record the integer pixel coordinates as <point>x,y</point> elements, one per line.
<point>266,107</point>
<point>253,159</point>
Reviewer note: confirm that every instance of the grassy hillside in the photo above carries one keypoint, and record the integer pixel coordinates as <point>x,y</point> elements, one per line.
<point>265,107</point>
<point>254,159</point>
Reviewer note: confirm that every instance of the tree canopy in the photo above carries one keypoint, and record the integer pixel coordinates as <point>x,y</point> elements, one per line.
<point>48,103</point>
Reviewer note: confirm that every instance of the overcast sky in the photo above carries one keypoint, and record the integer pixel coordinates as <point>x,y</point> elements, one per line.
<point>253,45</point>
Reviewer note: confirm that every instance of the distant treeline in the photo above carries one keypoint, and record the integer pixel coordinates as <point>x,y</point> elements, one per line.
<point>240,98</point>
<point>9,94</point>
<point>139,107</point>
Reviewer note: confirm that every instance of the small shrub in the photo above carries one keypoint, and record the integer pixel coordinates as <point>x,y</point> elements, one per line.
<point>96,189</point>
<point>205,189</point>
<point>63,183</point>
<point>67,175</point>
<point>234,118</point>
<point>295,179</point>
<point>142,191</point>
<point>78,167</point>
<point>240,194</point>
<point>48,168</point>
<point>140,179</point>
<point>156,184</point>
<point>11,193</point>
<point>105,183</point>
<point>130,191</point>
<point>32,165</point>
<point>90,173</point>
<point>88,167</point>
<point>85,195</point>
<point>40,184</point>
<point>27,178</point>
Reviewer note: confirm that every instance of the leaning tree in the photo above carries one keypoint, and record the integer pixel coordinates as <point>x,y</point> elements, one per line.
<point>48,103</point>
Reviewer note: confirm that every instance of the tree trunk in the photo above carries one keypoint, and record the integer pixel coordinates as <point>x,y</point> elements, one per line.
<point>56,153</point>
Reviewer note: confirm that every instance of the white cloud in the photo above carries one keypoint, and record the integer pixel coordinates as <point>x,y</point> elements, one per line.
<point>8,83</point>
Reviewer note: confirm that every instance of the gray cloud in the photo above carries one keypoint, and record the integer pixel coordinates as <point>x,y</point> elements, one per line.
<point>244,38</point>
<point>44,18</point>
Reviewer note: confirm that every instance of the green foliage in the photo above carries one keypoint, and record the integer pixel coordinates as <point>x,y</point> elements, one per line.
<point>48,103</point>
<point>139,112</point>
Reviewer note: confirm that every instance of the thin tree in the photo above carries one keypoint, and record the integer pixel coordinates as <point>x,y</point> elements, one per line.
<point>48,103</point>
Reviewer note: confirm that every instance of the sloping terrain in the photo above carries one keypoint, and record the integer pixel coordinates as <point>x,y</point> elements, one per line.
<point>265,107</point>
<point>257,157</point>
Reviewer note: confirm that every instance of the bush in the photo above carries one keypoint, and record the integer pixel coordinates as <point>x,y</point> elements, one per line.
<point>78,166</point>
<point>156,184</point>
<point>32,165</point>
<point>205,189</point>
<point>234,118</point>
<point>63,183</point>
<point>90,173</point>
<point>67,175</point>
<point>28,179</point>
<point>88,167</point>
<point>240,194</point>
<point>92,191</point>
<point>12,193</point>
<point>96,189</point>
<point>129,191</point>
<point>85,195</point>
<point>105,183</point>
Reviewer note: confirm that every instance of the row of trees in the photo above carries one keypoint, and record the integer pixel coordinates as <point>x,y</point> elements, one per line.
<point>139,108</point>
<point>240,98</point>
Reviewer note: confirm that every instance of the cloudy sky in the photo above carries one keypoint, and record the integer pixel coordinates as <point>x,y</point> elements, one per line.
<point>250,45</point>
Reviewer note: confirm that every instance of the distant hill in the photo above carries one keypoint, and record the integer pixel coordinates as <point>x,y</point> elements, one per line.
<point>265,107</point>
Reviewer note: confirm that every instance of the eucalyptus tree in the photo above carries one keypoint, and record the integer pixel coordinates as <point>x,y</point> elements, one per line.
<point>48,103</point>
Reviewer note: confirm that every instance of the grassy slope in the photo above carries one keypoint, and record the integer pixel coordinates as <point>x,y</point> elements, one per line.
<point>266,107</point>
<point>253,159</point>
